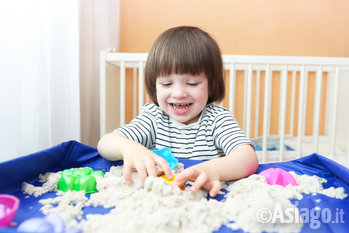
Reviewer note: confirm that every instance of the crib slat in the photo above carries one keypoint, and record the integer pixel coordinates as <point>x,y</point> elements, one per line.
<point>282,111</point>
<point>102,93</point>
<point>293,100</point>
<point>134,93</point>
<point>257,102</point>
<point>301,110</point>
<point>245,101</point>
<point>316,116</point>
<point>232,84</point>
<point>266,112</point>
<point>140,87</point>
<point>334,111</point>
<point>249,101</point>
<point>122,93</point>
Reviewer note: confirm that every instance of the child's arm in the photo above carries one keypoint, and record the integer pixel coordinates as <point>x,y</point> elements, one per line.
<point>114,146</point>
<point>240,163</point>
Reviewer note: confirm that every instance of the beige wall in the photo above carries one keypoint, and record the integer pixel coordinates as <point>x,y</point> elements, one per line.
<point>248,27</point>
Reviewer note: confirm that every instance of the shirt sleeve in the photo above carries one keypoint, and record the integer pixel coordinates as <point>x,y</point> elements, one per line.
<point>141,129</point>
<point>227,133</point>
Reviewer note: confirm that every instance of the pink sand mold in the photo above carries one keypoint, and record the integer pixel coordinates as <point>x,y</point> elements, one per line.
<point>8,208</point>
<point>278,176</point>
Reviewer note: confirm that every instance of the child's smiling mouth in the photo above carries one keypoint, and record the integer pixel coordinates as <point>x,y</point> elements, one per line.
<point>181,108</point>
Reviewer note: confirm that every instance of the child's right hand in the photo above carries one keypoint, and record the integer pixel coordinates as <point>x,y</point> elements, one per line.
<point>114,146</point>
<point>136,156</point>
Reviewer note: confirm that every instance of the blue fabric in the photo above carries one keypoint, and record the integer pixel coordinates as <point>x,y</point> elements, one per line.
<point>73,154</point>
<point>273,144</point>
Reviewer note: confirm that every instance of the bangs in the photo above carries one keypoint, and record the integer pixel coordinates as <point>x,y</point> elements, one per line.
<point>182,55</point>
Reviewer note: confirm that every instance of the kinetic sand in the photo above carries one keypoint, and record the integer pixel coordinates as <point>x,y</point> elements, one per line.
<point>158,208</point>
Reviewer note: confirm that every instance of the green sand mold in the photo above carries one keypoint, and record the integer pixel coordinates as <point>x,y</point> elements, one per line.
<point>79,179</point>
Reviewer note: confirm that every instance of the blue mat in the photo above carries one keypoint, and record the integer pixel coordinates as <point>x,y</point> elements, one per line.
<point>73,154</point>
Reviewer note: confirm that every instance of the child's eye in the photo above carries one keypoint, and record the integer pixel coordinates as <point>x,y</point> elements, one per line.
<point>192,84</point>
<point>166,84</point>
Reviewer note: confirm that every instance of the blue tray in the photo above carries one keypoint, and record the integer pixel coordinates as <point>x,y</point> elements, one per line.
<point>73,154</point>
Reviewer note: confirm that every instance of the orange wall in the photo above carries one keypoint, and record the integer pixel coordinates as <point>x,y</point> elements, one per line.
<point>248,27</point>
<point>251,27</point>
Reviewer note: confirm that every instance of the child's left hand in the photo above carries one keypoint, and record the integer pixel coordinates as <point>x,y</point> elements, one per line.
<point>241,163</point>
<point>202,176</point>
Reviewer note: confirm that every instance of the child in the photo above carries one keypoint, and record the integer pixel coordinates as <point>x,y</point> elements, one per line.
<point>184,77</point>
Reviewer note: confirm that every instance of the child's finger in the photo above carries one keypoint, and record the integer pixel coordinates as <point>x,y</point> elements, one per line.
<point>164,165</point>
<point>199,182</point>
<point>127,172</point>
<point>150,166</point>
<point>184,176</point>
<point>142,171</point>
<point>216,186</point>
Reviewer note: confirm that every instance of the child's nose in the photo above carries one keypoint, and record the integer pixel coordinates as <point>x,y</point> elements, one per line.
<point>179,92</point>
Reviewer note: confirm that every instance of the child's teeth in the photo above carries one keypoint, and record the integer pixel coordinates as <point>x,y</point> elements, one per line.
<point>180,106</point>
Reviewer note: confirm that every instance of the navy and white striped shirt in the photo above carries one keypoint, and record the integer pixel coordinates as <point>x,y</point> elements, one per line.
<point>214,135</point>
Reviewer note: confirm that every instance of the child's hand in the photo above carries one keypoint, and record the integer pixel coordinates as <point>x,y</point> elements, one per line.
<point>144,161</point>
<point>202,176</point>
<point>114,146</point>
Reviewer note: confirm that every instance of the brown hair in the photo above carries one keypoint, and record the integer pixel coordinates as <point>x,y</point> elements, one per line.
<point>185,50</point>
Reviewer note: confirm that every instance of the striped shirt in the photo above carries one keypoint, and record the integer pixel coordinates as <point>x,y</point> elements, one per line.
<point>214,135</point>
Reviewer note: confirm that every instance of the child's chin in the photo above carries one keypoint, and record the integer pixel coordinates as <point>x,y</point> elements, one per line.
<point>184,121</point>
<point>179,119</point>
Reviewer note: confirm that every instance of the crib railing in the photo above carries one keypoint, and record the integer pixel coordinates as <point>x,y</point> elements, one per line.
<point>287,97</point>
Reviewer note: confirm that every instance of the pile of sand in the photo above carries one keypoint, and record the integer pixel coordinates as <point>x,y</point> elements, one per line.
<point>158,208</point>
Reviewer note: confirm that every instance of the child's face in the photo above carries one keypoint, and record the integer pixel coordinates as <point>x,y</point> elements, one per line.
<point>182,96</point>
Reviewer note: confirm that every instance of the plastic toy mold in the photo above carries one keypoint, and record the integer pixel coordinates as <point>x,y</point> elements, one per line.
<point>166,154</point>
<point>167,179</point>
<point>278,176</point>
<point>163,176</point>
<point>50,223</point>
<point>8,208</point>
<point>79,179</point>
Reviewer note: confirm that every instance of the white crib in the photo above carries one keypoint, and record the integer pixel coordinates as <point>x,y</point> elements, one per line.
<point>298,103</point>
